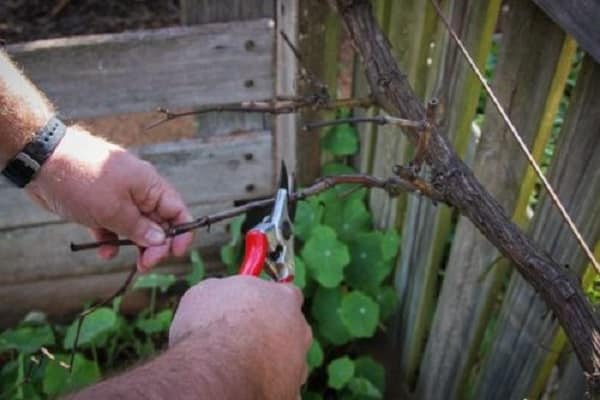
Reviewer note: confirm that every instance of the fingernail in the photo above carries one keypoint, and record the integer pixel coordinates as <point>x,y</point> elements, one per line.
<point>155,236</point>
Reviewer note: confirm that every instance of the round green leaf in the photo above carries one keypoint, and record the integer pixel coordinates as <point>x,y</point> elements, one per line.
<point>386,298</point>
<point>341,140</point>
<point>155,281</point>
<point>350,219</point>
<point>359,314</point>
<point>26,339</point>
<point>299,272</point>
<point>58,379</point>
<point>159,323</point>
<point>314,357</point>
<point>308,215</point>
<point>99,322</point>
<point>325,256</point>
<point>325,310</point>
<point>390,245</point>
<point>364,389</point>
<point>198,270</point>
<point>343,192</point>
<point>368,268</point>
<point>339,372</point>
<point>371,370</point>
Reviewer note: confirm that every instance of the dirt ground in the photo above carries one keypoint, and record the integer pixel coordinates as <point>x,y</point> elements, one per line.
<point>26,20</point>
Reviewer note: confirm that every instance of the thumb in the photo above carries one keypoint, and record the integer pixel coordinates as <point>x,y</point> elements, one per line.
<point>138,228</point>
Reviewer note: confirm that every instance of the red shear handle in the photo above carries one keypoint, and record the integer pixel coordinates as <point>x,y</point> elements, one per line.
<point>255,254</point>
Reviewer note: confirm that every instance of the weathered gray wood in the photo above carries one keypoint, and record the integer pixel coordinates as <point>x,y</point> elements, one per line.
<point>571,385</point>
<point>286,126</point>
<point>195,12</point>
<point>531,47</point>
<point>525,328</point>
<point>98,75</point>
<point>426,226</point>
<point>208,11</point>
<point>580,18</point>
<point>42,253</point>
<point>65,296</point>
<point>318,42</point>
<point>224,169</point>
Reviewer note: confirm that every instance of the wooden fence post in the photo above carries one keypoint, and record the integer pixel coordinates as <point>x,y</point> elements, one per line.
<point>525,329</point>
<point>530,57</point>
<point>426,227</point>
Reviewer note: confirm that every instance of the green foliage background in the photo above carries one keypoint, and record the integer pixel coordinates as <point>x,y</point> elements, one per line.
<point>343,266</point>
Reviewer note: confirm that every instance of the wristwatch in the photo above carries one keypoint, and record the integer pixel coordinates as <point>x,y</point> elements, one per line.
<point>24,166</point>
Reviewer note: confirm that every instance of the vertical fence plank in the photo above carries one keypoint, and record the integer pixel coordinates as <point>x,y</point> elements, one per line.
<point>406,29</point>
<point>319,39</point>
<point>195,12</point>
<point>426,227</point>
<point>526,328</point>
<point>286,126</point>
<point>529,55</point>
<point>360,88</point>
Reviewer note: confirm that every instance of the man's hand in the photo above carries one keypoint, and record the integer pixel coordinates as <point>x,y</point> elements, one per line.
<point>102,186</point>
<point>233,338</point>
<point>261,325</point>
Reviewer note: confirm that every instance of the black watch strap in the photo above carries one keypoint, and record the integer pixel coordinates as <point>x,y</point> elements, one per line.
<point>23,167</point>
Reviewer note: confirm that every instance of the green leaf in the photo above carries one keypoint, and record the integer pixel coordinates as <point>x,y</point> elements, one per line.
<point>364,388</point>
<point>390,245</point>
<point>308,215</point>
<point>325,256</point>
<point>341,140</point>
<point>159,323</point>
<point>311,396</point>
<point>371,370</point>
<point>344,191</point>
<point>155,281</point>
<point>325,309</point>
<point>339,372</point>
<point>368,268</point>
<point>99,322</point>
<point>58,379</point>
<point>26,339</point>
<point>359,314</point>
<point>314,357</point>
<point>299,272</point>
<point>386,298</point>
<point>198,269</point>
<point>231,253</point>
<point>350,219</point>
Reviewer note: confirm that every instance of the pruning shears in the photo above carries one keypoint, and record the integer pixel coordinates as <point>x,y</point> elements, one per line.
<point>270,243</point>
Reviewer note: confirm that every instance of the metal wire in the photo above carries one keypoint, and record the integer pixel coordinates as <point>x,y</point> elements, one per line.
<point>519,140</point>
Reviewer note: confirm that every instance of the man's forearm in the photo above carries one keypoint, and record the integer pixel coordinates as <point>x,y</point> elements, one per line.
<point>24,110</point>
<point>198,367</point>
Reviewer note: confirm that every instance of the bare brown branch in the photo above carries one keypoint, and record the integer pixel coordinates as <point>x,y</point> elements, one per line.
<point>393,186</point>
<point>459,188</point>
<point>279,105</point>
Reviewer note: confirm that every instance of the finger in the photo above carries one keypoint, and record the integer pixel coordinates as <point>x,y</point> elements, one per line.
<point>140,229</point>
<point>151,256</point>
<point>105,252</point>
<point>294,291</point>
<point>181,243</point>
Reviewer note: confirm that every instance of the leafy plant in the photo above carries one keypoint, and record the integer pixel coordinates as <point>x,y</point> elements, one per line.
<point>343,266</point>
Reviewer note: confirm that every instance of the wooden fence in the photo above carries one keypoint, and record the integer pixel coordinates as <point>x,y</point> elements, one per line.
<point>467,325</point>
<point>222,54</point>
